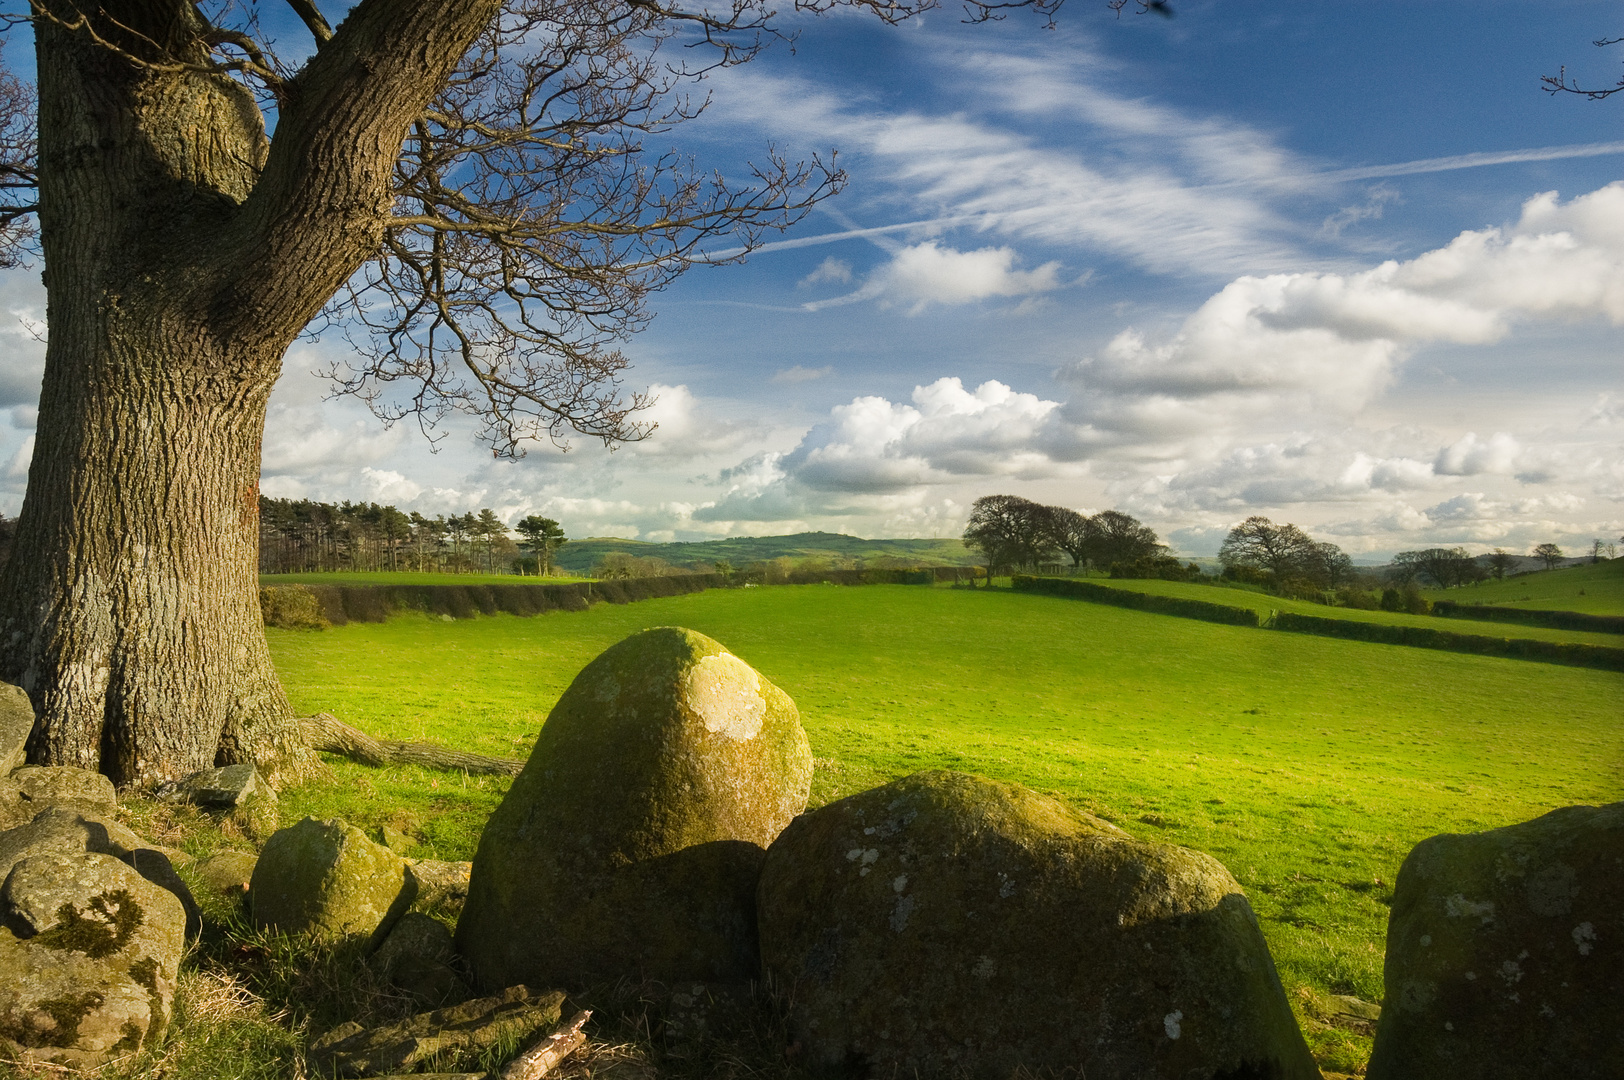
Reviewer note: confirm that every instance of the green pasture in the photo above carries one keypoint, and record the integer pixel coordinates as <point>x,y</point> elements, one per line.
<point>1593,588</point>
<point>407,577</point>
<point>1263,603</point>
<point>1309,766</point>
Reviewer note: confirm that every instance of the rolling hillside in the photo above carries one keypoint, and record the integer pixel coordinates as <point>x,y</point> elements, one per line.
<point>578,556</point>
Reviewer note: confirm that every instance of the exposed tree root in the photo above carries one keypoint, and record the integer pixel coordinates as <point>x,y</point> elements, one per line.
<point>327,732</point>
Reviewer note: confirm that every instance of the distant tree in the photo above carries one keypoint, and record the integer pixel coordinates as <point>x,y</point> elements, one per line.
<point>1501,562</point>
<point>1549,553</point>
<point>1259,543</point>
<point>1328,566</point>
<point>1008,530</point>
<point>543,536</point>
<point>1070,531</point>
<point>1115,537</point>
<point>1597,550</point>
<point>491,530</point>
<point>724,568</point>
<point>1446,567</point>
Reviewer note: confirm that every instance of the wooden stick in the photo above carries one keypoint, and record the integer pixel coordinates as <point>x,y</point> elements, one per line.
<point>326,732</point>
<point>554,1047</point>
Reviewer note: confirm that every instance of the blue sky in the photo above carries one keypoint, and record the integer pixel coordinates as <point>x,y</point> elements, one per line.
<point>1343,264</point>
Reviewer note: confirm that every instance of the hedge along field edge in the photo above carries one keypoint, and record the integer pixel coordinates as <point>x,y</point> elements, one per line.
<point>1555,620</point>
<point>304,606</point>
<point>1165,605</point>
<point>1550,652</point>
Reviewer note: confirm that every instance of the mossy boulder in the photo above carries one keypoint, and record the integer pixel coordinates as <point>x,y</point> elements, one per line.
<point>1505,954</point>
<point>66,831</point>
<point>948,925</point>
<point>16,724</point>
<point>326,879</point>
<point>630,844</point>
<point>88,958</point>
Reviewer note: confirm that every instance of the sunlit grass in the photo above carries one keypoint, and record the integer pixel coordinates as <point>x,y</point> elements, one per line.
<point>1309,766</point>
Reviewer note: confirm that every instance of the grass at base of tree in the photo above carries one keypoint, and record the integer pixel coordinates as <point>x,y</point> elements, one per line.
<point>1308,766</point>
<point>1593,588</point>
<point>408,577</point>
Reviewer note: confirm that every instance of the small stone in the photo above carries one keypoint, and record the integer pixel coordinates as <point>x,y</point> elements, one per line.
<point>16,724</point>
<point>416,959</point>
<point>1505,954</point>
<point>94,976</point>
<point>439,884</point>
<point>326,879</point>
<point>224,788</point>
<point>226,873</point>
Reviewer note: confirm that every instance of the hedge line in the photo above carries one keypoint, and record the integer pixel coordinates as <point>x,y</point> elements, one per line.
<point>1423,637</point>
<point>1556,620</point>
<point>1165,605</point>
<point>296,607</point>
<point>300,606</point>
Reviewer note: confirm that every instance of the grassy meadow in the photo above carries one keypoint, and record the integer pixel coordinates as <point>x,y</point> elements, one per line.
<point>1309,766</point>
<point>1593,588</point>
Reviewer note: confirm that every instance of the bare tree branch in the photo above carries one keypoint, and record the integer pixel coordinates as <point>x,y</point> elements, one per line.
<point>1561,84</point>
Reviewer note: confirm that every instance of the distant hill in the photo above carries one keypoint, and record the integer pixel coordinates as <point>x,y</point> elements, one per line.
<point>579,555</point>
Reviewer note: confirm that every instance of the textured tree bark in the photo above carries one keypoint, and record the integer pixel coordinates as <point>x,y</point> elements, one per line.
<point>183,254</point>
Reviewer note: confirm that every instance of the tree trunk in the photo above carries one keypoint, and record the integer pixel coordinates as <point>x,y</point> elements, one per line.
<point>183,254</point>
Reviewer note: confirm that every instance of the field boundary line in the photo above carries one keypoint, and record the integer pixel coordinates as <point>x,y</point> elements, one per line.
<point>1573,654</point>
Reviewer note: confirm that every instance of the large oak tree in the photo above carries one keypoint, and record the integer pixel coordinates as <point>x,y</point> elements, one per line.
<point>463,184</point>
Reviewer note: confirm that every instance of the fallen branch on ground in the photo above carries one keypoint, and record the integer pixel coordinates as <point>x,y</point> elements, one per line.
<point>554,1047</point>
<point>326,732</point>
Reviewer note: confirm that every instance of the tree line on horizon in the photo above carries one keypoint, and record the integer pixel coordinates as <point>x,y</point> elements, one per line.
<point>302,536</point>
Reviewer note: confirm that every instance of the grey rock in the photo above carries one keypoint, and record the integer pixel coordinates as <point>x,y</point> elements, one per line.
<point>439,883</point>
<point>88,959</point>
<point>225,788</point>
<point>40,786</point>
<point>944,924</point>
<point>16,724</point>
<point>225,873</point>
<point>63,830</point>
<point>326,879</point>
<point>507,1019</point>
<point>1505,954</point>
<point>416,958</point>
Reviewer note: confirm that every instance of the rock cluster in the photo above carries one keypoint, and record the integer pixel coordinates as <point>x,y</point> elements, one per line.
<point>631,843</point>
<point>1505,954</point>
<point>95,918</point>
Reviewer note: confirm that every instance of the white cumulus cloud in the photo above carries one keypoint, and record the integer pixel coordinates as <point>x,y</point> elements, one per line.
<point>923,274</point>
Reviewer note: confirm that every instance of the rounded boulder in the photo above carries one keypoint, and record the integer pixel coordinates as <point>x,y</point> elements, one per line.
<point>1505,954</point>
<point>949,925</point>
<point>630,844</point>
<point>326,879</point>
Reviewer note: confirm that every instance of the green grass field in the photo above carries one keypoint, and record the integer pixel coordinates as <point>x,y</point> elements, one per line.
<point>1593,588</point>
<point>1309,766</point>
<point>1263,603</point>
<point>407,577</point>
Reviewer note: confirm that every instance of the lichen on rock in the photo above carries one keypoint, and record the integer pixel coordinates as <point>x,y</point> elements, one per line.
<point>88,958</point>
<point>1505,954</point>
<point>945,924</point>
<point>630,844</point>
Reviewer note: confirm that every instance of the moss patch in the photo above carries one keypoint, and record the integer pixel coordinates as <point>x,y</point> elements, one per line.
<point>101,930</point>
<point>65,1013</point>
